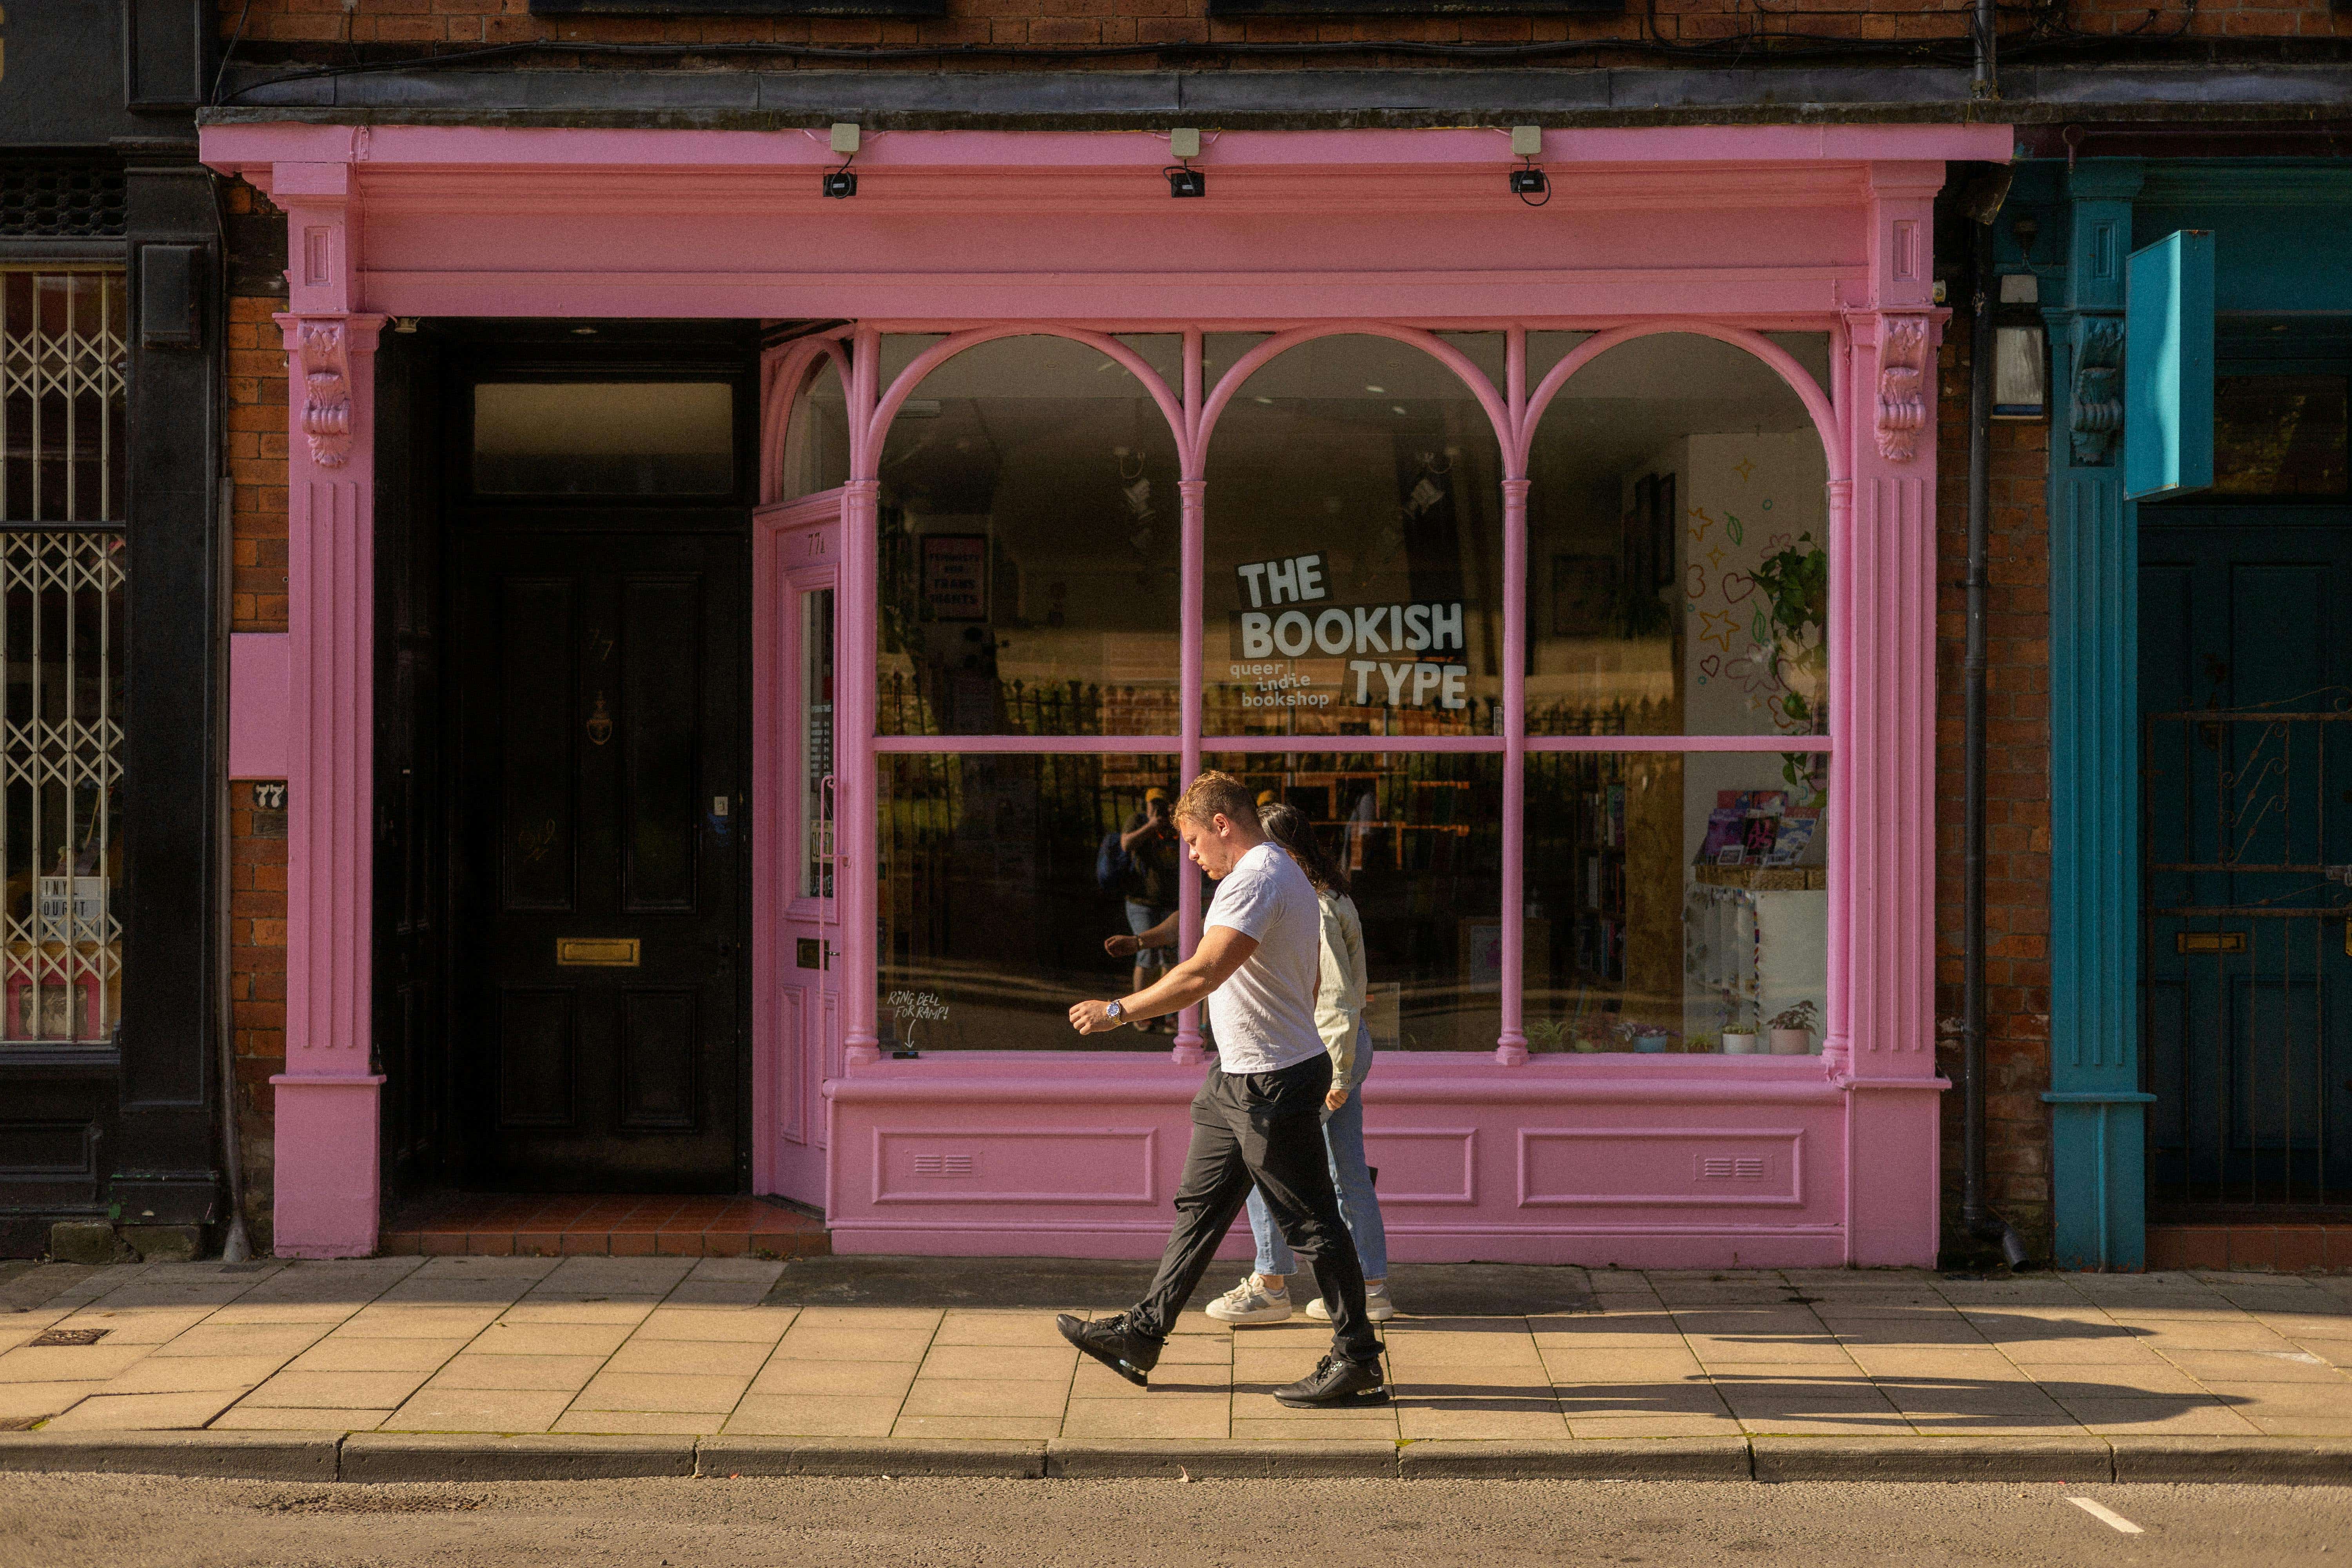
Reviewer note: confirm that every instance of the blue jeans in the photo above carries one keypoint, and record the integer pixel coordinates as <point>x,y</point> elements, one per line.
<point>1343,1137</point>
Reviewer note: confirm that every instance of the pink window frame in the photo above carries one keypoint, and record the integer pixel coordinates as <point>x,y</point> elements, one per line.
<point>1193,410</point>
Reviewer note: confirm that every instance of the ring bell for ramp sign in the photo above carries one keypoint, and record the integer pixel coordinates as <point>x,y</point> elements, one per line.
<point>1381,655</point>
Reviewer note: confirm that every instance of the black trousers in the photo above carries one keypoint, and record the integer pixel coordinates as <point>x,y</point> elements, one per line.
<point>1266,1130</point>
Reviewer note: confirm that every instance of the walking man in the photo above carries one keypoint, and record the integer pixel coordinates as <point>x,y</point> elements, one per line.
<point>1258,1117</point>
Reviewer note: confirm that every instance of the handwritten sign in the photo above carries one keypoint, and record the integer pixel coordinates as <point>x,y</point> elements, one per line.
<point>955,576</point>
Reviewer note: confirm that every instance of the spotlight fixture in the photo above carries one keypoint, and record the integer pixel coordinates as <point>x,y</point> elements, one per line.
<point>841,183</point>
<point>1184,180</point>
<point>1528,182</point>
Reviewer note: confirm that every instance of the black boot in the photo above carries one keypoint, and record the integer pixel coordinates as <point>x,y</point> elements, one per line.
<point>1115,1344</point>
<point>1337,1382</point>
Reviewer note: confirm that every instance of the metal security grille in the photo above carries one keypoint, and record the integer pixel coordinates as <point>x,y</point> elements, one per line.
<point>2248,956</point>
<point>62,411</point>
<point>60,197</point>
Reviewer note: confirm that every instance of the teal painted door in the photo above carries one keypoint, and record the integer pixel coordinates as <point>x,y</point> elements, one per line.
<point>2246,788</point>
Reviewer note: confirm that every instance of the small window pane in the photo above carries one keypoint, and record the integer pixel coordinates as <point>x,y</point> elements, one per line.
<point>995,900</point>
<point>1677,562</point>
<point>1419,837</point>
<point>2278,434</point>
<point>1029,562</point>
<point>1354,546</point>
<point>817,449</point>
<point>1676,903</point>
<point>635,437</point>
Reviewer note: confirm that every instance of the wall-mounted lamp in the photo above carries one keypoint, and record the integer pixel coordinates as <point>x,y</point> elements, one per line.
<point>2020,373</point>
<point>1528,182</point>
<point>1184,180</point>
<point>841,183</point>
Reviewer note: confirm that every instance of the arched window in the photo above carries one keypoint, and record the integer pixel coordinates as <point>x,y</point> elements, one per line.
<point>1677,587</point>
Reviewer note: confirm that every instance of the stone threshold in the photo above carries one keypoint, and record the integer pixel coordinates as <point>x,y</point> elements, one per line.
<point>412,1458</point>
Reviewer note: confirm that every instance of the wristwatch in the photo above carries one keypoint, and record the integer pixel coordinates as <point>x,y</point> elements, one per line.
<point>1115,1013</point>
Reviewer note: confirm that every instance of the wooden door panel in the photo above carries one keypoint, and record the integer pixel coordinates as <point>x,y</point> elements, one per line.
<point>598,728</point>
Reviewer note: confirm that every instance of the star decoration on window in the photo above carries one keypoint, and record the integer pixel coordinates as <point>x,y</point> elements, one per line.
<point>1704,522</point>
<point>1745,466</point>
<point>1717,627</point>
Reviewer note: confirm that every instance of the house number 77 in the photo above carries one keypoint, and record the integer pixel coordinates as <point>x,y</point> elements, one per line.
<point>815,542</point>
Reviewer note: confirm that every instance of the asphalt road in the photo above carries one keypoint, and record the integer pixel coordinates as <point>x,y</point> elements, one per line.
<point>116,1521</point>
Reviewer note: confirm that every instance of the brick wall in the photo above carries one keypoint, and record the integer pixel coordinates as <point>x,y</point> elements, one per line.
<point>391,26</point>
<point>2017,809</point>
<point>257,848</point>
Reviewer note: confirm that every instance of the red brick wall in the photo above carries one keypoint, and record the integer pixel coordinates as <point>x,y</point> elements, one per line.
<point>395,25</point>
<point>2017,809</point>
<point>257,848</point>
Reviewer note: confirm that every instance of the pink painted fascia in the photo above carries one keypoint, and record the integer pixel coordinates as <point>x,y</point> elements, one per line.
<point>258,681</point>
<point>460,147</point>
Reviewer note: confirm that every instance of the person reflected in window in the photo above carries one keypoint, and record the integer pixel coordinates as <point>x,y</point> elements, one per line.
<point>1148,842</point>
<point>1264,1297</point>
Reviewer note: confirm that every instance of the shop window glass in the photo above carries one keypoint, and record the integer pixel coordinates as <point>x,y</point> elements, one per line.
<point>2278,434</point>
<point>1354,548</point>
<point>610,437</point>
<point>1677,562</point>
<point>1676,902</point>
<point>1029,549</point>
<point>62,399</point>
<point>1420,835</point>
<point>996,893</point>
<point>816,448</point>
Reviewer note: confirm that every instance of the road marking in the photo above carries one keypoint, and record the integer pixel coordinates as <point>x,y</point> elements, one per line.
<point>2106,1516</point>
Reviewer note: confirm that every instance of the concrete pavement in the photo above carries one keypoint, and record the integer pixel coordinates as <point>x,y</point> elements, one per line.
<point>1767,1373</point>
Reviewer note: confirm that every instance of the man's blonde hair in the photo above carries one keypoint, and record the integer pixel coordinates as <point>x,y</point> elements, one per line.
<point>1213,793</point>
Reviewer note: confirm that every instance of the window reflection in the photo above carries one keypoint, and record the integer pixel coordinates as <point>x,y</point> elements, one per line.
<point>1354,549</point>
<point>817,445</point>
<point>1677,532</point>
<point>1676,903</point>
<point>1420,835</point>
<point>637,438</point>
<point>1029,531</point>
<point>996,894</point>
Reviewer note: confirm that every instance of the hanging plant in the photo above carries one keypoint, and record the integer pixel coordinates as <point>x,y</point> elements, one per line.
<point>1796,584</point>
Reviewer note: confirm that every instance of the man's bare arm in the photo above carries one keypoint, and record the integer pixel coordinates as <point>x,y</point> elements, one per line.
<point>1223,950</point>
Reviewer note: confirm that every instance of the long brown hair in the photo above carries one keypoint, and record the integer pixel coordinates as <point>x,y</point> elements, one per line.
<point>1288,826</point>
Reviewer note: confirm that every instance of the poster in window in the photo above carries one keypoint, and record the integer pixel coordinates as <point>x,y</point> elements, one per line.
<point>955,576</point>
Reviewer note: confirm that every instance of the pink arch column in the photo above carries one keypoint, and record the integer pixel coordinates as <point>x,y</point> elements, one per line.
<point>327,1184</point>
<point>1880,1040</point>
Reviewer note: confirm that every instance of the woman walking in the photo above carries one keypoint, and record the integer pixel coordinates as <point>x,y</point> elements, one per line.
<point>1263,1295</point>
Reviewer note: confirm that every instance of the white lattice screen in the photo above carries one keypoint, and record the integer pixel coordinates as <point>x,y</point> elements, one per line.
<point>62,407</point>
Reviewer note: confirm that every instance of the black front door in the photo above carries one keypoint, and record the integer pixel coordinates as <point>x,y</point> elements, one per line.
<point>597,699</point>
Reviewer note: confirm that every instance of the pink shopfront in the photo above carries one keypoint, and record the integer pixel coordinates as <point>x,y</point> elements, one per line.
<point>731,629</point>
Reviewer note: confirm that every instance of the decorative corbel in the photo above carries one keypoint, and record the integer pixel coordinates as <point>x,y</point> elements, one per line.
<point>1903,400</point>
<point>2097,393</point>
<point>326,391</point>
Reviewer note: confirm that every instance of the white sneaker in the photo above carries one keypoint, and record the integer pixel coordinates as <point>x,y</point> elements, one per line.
<point>1377,1305</point>
<point>1248,1302</point>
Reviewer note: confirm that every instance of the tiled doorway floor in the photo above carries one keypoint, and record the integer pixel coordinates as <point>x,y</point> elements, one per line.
<point>600,1224</point>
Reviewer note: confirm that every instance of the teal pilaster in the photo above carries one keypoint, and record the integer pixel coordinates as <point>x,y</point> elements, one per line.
<point>2098,1114</point>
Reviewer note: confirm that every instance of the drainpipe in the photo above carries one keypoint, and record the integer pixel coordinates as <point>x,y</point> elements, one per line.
<point>1977,1217</point>
<point>1985,83</point>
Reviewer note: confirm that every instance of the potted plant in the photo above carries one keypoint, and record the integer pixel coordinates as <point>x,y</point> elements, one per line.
<point>1739,1042</point>
<point>1548,1034</point>
<point>1793,1029</point>
<point>1649,1040</point>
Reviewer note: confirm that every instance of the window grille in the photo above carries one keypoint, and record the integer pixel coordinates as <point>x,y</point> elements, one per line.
<point>60,197</point>
<point>62,410</point>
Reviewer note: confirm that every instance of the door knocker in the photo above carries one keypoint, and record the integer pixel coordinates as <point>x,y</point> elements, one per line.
<point>600,723</point>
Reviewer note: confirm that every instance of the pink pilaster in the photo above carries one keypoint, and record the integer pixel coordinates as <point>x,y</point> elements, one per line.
<point>326,1100</point>
<point>1511,1045</point>
<point>1882,790</point>
<point>856,830</point>
<point>1187,1051</point>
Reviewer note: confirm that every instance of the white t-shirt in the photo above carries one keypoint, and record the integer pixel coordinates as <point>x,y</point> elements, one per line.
<point>1263,1016</point>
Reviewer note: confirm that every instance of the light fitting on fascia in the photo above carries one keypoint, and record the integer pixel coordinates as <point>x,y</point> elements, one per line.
<point>841,183</point>
<point>1184,180</point>
<point>1528,182</point>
